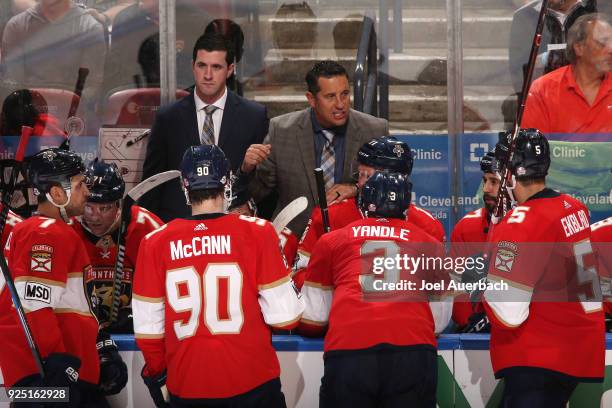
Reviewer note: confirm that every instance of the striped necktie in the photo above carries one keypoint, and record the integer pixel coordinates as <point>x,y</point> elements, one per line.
<point>208,130</point>
<point>328,160</point>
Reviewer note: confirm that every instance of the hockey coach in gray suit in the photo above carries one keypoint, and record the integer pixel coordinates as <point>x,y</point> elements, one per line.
<point>328,134</point>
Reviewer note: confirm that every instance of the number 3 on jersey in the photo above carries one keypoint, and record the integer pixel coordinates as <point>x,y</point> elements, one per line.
<point>184,290</point>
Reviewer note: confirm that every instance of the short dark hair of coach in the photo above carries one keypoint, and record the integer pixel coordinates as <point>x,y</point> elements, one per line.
<point>210,114</point>
<point>298,142</point>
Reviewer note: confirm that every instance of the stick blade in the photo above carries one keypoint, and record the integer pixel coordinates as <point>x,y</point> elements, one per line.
<point>292,210</point>
<point>146,185</point>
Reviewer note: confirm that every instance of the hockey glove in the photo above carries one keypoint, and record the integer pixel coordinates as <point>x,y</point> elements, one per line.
<point>113,371</point>
<point>61,370</point>
<point>157,388</point>
<point>474,275</point>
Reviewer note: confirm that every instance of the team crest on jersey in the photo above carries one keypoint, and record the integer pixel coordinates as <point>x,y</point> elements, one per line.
<point>41,257</point>
<point>504,259</point>
<point>105,243</point>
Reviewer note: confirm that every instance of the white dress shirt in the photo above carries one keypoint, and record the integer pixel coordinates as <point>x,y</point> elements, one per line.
<point>217,115</point>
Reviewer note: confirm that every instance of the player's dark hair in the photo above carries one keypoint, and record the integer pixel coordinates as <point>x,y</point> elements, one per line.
<point>214,42</point>
<point>579,31</point>
<point>199,196</point>
<point>325,69</point>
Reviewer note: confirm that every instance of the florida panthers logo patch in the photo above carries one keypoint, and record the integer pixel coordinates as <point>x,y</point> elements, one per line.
<point>41,257</point>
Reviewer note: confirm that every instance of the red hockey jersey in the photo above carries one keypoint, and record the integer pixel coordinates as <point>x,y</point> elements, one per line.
<point>550,315</point>
<point>103,255</point>
<point>206,291</point>
<point>47,262</point>
<point>11,220</point>
<point>342,291</point>
<point>473,227</point>
<point>289,243</point>
<point>601,238</point>
<point>345,212</point>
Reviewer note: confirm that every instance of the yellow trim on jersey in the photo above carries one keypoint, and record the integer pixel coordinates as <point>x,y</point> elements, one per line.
<point>317,285</point>
<point>274,284</point>
<point>520,286</point>
<point>67,310</point>
<point>280,325</point>
<point>148,336</point>
<point>30,278</point>
<point>502,321</point>
<point>148,299</point>
<point>314,323</point>
<point>302,252</point>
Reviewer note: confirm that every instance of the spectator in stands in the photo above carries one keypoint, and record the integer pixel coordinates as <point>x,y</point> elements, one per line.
<point>211,114</point>
<point>234,35</point>
<point>148,59</point>
<point>25,107</point>
<point>8,8</point>
<point>46,45</point>
<point>560,17</point>
<point>327,135</point>
<point>576,98</point>
<point>137,23</point>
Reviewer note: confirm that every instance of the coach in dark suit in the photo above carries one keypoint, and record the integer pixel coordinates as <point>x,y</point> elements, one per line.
<point>326,135</point>
<point>210,114</point>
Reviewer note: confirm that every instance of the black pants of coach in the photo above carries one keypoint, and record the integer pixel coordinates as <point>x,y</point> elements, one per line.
<point>267,395</point>
<point>380,378</point>
<point>536,388</point>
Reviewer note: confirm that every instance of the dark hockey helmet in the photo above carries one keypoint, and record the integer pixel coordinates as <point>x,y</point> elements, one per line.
<point>489,164</point>
<point>105,182</point>
<point>386,153</point>
<point>204,167</point>
<point>531,157</point>
<point>51,167</point>
<point>386,194</point>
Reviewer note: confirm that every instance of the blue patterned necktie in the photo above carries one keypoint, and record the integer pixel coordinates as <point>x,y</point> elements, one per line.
<point>208,130</point>
<point>328,160</point>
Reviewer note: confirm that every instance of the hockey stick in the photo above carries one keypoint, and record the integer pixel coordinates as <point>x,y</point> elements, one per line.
<point>26,132</point>
<point>138,138</point>
<point>318,172</point>
<point>287,214</point>
<point>74,105</point>
<point>126,209</point>
<point>500,203</point>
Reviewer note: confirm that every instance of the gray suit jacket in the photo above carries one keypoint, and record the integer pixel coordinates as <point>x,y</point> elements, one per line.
<point>289,168</point>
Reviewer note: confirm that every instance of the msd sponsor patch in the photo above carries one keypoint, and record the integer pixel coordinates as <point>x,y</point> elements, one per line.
<point>40,258</point>
<point>37,291</point>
